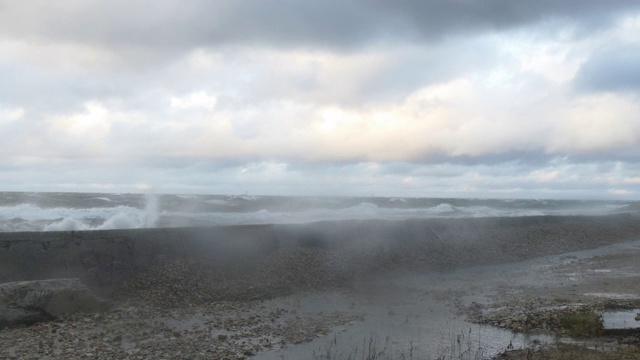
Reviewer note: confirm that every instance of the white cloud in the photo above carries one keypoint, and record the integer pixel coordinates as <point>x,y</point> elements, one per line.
<point>195,100</point>
<point>596,122</point>
<point>11,114</point>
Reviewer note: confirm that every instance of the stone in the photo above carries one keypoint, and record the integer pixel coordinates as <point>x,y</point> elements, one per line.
<point>27,302</point>
<point>10,317</point>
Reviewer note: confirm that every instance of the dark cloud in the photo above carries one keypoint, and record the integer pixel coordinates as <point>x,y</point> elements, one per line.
<point>611,70</point>
<point>331,23</point>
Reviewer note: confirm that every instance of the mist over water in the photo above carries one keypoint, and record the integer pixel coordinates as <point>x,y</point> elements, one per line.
<point>88,211</point>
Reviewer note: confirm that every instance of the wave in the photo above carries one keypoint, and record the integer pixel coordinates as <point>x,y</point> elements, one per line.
<point>29,217</point>
<point>34,212</point>
<point>362,211</point>
<point>131,211</point>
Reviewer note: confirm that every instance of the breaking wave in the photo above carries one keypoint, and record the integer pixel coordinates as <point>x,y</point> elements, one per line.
<point>29,217</point>
<point>43,212</point>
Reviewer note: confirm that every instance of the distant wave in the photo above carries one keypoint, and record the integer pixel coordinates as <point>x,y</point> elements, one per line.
<point>28,217</point>
<point>110,211</point>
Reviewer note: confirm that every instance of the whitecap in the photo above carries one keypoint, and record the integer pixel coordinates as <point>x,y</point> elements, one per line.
<point>66,224</point>
<point>444,207</point>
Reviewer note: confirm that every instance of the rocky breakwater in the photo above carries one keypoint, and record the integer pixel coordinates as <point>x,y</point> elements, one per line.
<point>275,259</point>
<point>199,280</point>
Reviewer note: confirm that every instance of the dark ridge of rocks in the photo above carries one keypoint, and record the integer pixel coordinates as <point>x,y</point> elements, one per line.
<point>196,281</point>
<point>104,260</point>
<point>334,257</point>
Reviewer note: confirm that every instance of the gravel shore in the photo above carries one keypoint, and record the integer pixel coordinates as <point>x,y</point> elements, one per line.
<point>145,322</point>
<point>216,330</point>
<point>193,309</point>
<point>203,307</point>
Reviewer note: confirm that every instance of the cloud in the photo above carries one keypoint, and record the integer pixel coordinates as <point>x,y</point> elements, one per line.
<point>417,98</point>
<point>558,178</point>
<point>611,70</point>
<point>170,24</point>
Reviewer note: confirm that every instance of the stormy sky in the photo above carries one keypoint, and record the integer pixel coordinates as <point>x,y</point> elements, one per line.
<point>463,98</point>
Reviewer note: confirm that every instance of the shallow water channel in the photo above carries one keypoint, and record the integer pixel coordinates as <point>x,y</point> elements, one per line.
<point>417,316</point>
<point>407,316</point>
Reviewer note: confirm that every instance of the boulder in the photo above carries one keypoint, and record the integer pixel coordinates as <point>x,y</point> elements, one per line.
<point>10,317</point>
<point>27,302</point>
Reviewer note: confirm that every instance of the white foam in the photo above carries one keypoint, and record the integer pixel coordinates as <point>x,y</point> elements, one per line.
<point>244,197</point>
<point>65,219</point>
<point>121,221</point>
<point>30,217</point>
<point>66,224</point>
<point>443,208</point>
<point>362,211</point>
<point>481,211</point>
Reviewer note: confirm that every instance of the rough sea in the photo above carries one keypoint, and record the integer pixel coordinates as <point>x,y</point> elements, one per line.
<point>28,211</point>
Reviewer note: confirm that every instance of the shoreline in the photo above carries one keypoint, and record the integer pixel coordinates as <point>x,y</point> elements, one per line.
<point>105,259</point>
<point>400,313</point>
<point>376,289</point>
<point>603,285</point>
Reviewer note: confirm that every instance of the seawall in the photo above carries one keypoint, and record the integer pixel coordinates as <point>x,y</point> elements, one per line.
<point>105,259</point>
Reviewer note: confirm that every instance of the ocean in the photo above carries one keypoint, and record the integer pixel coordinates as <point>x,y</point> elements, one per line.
<point>40,211</point>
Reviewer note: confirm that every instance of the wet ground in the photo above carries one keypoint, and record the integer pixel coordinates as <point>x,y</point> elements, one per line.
<point>400,315</point>
<point>424,316</point>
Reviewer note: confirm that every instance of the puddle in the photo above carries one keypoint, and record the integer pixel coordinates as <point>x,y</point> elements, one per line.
<point>623,320</point>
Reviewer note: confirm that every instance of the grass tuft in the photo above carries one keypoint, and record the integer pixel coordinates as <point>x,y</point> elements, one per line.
<point>582,324</point>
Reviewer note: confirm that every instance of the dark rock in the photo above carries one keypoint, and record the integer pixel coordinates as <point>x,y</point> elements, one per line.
<point>27,302</point>
<point>9,317</point>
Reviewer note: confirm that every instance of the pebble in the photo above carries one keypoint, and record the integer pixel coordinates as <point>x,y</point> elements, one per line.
<point>144,331</point>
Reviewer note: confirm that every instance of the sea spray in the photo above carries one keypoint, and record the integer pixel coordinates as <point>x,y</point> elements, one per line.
<point>93,211</point>
<point>66,224</point>
<point>147,218</point>
<point>121,217</point>
<point>150,215</point>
